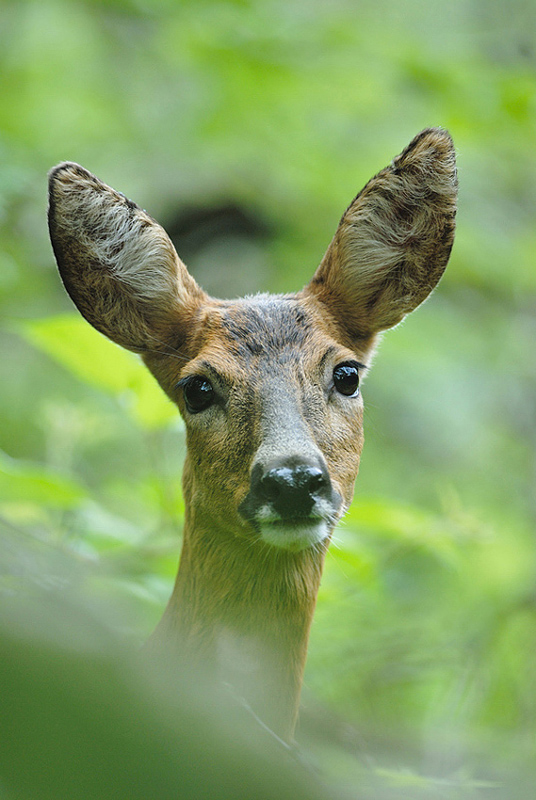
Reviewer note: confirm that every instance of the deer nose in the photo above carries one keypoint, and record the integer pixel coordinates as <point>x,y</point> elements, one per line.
<point>292,489</point>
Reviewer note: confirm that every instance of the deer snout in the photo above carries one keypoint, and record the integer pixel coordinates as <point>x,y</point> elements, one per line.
<point>291,502</point>
<point>292,490</point>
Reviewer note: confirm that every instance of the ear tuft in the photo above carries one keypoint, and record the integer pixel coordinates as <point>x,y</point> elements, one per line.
<point>431,157</point>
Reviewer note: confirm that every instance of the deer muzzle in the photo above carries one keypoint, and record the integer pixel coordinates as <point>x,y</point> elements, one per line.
<point>291,502</point>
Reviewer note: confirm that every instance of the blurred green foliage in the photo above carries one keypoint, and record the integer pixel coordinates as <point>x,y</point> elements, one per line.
<point>421,658</point>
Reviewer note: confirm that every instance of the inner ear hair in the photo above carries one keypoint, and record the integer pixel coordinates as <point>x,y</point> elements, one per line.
<point>117,263</point>
<point>394,240</point>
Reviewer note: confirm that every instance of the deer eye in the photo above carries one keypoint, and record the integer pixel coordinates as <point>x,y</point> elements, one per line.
<point>346,379</point>
<point>198,393</point>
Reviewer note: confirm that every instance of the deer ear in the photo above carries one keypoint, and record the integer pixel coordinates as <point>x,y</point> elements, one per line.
<point>393,242</point>
<point>118,265</point>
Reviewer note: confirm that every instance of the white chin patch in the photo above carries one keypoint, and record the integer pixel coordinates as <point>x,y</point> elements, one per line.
<point>294,535</point>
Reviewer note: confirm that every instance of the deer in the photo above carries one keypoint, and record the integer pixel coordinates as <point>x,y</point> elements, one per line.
<point>268,387</point>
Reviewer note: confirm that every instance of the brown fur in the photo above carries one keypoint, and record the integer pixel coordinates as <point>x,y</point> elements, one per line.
<point>241,606</point>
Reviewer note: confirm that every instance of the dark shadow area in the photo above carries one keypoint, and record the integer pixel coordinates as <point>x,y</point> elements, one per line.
<point>191,229</point>
<point>224,246</point>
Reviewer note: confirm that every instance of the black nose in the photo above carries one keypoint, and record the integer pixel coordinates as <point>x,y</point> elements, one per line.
<point>292,489</point>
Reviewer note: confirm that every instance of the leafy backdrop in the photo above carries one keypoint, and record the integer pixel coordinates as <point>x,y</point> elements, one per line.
<point>422,651</point>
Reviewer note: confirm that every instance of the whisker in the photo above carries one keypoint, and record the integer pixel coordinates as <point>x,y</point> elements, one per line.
<point>170,351</point>
<point>336,542</point>
<point>162,353</point>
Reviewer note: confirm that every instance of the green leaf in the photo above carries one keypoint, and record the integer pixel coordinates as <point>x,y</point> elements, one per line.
<point>98,362</point>
<point>406,524</point>
<point>24,482</point>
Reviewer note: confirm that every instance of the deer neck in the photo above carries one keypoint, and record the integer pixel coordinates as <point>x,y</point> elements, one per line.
<point>242,611</point>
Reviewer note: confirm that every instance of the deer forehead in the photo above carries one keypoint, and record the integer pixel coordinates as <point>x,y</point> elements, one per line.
<point>264,341</point>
